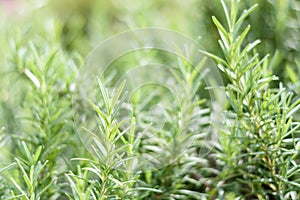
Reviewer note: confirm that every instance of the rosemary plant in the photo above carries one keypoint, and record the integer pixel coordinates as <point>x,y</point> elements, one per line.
<point>43,122</point>
<point>150,145</point>
<point>259,146</point>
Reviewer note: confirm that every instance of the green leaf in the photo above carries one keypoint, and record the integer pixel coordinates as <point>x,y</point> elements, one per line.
<point>240,39</point>
<point>243,16</point>
<point>222,32</point>
<point>226,14</point>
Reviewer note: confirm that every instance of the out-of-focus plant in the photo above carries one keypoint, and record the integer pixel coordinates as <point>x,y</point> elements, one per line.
<point>43,128</point>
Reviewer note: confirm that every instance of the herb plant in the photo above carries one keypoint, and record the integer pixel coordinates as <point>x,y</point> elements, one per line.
<point>154,143</point>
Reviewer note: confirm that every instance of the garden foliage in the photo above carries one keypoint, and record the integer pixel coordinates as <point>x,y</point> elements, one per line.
<point>57,144</point>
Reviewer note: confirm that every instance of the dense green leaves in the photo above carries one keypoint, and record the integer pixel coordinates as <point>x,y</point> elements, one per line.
<point>149,144</point>
<point>262,146</point>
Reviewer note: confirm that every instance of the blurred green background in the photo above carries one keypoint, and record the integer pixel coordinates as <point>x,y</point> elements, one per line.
<point>84,24</point>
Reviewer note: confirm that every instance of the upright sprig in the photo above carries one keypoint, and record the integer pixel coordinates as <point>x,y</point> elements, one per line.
<point>259,144</point>
<point>44,119</point>
<point>112,172</point>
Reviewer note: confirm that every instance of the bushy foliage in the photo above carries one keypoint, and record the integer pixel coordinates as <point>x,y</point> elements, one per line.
<point>58,143</point>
